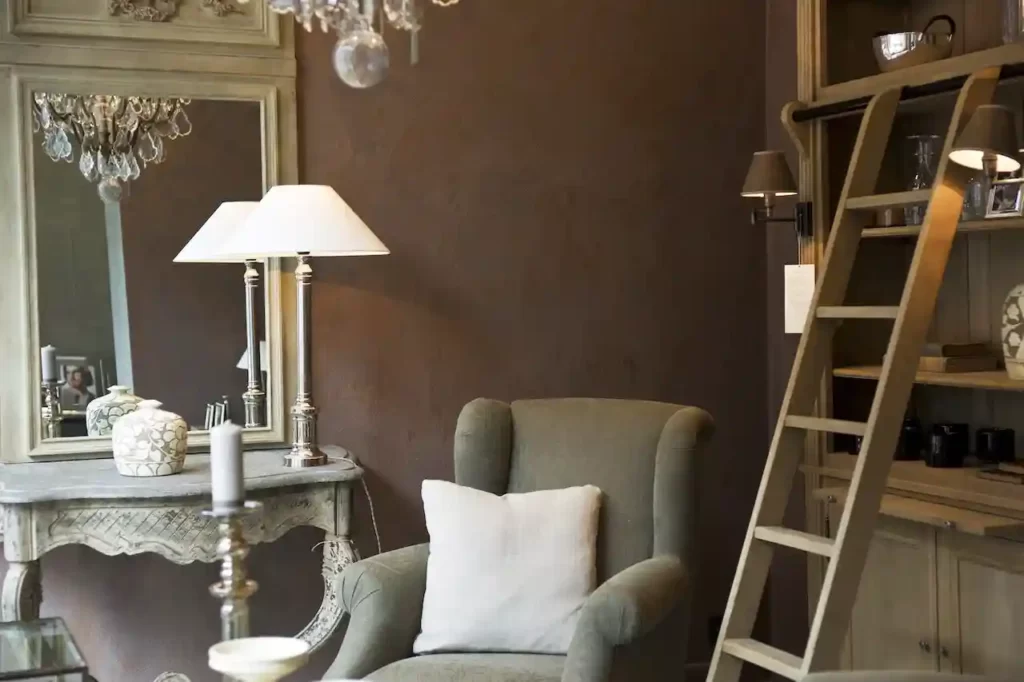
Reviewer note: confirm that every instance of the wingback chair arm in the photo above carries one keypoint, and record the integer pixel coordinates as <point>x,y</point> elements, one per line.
<point>384,598</point>
<point>625,608</point>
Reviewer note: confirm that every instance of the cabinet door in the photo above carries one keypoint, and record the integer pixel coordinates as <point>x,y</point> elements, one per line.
<point>981,582</point>
<point>894,625</point>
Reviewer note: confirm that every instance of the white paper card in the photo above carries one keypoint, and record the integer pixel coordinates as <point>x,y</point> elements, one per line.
<point>799,292</point>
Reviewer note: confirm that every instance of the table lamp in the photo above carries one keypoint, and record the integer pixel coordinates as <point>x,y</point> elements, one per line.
<point>302,221</point>
<point>203,248</point>
<point>988,142</point>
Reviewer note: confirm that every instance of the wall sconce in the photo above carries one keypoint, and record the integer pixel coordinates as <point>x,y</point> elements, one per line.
<point>769,177</point>
<point>988,142</point>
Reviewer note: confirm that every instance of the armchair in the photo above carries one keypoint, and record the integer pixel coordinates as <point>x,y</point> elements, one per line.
<point>645,457</point>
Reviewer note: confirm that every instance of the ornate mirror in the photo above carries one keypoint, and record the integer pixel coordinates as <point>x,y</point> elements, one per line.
<point>116,175</point>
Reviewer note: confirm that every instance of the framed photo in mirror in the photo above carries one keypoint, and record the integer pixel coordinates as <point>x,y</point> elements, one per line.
<point>81,383</point>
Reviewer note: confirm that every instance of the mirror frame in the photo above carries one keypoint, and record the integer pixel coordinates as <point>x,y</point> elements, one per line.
<point>20,422</point>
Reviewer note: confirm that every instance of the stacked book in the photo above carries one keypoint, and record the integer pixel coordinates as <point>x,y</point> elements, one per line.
<point>950,358</point>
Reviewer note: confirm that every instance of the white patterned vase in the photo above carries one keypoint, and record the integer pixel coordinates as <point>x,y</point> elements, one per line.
<point>1013,332</point>
<point>150,441</point>
<point>101,414</point>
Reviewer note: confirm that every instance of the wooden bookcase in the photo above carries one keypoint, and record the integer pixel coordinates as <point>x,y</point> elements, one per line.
<point>943,588</point>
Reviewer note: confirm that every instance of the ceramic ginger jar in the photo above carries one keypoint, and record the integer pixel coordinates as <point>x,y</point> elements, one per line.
<point>150,441</point>
<point>101,414</point>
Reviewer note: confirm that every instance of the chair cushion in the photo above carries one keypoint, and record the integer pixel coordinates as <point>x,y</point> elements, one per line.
<point>508,573</point>
<point>473,668</point>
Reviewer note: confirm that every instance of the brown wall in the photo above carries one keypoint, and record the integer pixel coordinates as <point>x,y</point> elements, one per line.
<point>558,184</point>
<point>559,188</point>
<point>788,587</point>
<point>188,319</point>
<point>73,279</point>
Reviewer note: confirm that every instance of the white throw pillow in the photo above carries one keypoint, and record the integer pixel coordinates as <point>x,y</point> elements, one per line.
<point>507,573</point>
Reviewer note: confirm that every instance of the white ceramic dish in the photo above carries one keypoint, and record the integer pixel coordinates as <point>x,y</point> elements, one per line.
<point>259,659</point>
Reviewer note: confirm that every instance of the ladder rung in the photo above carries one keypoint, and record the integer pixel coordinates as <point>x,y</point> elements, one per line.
<point>826,425</point>
<point>778,535</point>
<point>917,196</point>
<point>763,656</point>
<point>859,312</point>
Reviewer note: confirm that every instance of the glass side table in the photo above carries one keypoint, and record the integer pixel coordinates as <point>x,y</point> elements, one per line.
<point>40,650</point>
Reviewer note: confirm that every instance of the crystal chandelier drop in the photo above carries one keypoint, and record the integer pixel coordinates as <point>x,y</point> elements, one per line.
<point>114,134</point>
<point>361,57</point>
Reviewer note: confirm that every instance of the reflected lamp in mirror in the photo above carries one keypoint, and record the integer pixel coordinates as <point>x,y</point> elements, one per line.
<point>988,142</point>
<point>303,221</point>
<point>243,362</point>
<point>204,248</point>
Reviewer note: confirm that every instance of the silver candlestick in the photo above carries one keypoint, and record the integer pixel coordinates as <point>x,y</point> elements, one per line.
<point>233,588</point>
<point>305,451</point>
<point>254,397</point>
<point>53,414</point>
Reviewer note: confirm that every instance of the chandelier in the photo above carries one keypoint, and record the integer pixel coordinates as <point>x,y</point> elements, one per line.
<point>361,57</point>
<point>117,136</point>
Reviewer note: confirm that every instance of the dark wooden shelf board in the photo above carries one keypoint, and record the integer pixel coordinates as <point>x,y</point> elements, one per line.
<point>990,381</point>
<point>990,225</point>
<point>960,486</point>
<point>960,65</point>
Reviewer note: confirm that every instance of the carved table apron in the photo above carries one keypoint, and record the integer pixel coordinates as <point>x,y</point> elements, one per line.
<point>86,502</point>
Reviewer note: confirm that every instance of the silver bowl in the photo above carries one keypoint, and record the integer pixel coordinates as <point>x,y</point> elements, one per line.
<point>894,51</point>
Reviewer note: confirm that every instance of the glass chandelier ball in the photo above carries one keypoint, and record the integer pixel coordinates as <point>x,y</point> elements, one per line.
<point>110,190</point>
<point>361,58</point>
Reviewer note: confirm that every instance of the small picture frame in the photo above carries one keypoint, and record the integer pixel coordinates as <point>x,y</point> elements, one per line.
<point>1005,199</point>
<point>70,363</point>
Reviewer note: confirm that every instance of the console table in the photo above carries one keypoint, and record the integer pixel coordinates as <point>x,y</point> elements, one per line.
<point>49,504</point>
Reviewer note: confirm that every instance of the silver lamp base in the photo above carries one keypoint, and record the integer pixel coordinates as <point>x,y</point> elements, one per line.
<point>310,457</point>
<point>305,452</point>
<point>254,397</point>
<point>254,401</point>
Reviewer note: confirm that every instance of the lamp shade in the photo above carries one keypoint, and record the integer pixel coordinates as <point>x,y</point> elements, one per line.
<point>204,245</point>
<point>769,174</point>
<point>990,132</point>
<point>243,362</point>
<point>294,219</point>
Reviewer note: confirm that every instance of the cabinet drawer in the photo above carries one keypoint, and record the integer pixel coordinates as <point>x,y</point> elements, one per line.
<point>938,515</point>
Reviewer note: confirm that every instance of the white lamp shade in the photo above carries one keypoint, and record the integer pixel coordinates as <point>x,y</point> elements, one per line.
<point>243,362</point>
<point>294,219</point>
<point>204,246</point>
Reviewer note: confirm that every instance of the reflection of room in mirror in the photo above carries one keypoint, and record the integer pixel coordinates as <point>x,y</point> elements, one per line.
<point>110,298</point>
<point>113,137</point>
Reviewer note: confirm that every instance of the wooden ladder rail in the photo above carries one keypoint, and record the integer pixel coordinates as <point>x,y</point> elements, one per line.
<point>734,645</point>
<point>917,305</point>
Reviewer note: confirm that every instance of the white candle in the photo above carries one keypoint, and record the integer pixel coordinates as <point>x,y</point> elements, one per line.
<point>48,355</point>
<point>226,475</point>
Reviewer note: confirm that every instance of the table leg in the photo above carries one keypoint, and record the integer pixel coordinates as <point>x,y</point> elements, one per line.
<point>338,553</point>
<point>22,591</point>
